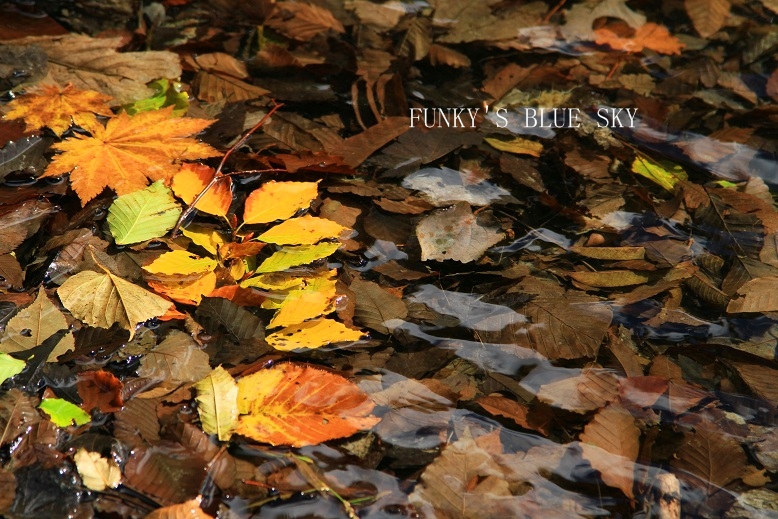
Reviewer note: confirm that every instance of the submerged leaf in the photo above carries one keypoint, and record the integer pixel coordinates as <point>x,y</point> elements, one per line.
<point>143,215</point>
<point>665,174</point>
<point>297,405</point>
<point>456,234</point>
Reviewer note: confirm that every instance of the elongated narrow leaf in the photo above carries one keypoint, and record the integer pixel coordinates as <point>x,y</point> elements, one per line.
<point>292,404</point>
<point>278,201</point>
<point>63,413</point>
<point>143,215</point>
<point>289,257</point>
<point>312,334</point>
<point>217,403</point>
<point>306,230</point>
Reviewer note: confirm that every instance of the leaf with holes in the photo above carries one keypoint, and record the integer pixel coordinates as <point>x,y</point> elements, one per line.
<point>298,405</point>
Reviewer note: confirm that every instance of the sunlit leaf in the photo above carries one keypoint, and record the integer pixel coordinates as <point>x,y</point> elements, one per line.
<point>9,367</point>
<point>306,230</point>
<point>180,262</point>
<point>101,299</point>
<point>312,334</point>
<point>33,325</point>
<point>665,174</point>
<point>186,510</point>
<point>193,178</point>
<point>649,36</point>
<point>96,472</point>
<point>166,93</point>
<point>186,289</point>
<point>217,403</point>
<point>129,152</point>
<point>292,256</point>
<point>143,215</point>
<point>292,404</point>
<point>314,299</point>
<point>517,145</point>
<point>55,108</point>
<point>278,201</point>
<point>205,237</point>
<point>63,413</point>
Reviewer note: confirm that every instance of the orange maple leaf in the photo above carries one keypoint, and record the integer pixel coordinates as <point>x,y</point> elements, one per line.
<point>55,107</point>
<point>649,36</point>
<point>128,152</point>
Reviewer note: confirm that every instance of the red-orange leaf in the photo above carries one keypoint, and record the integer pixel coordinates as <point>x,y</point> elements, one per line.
<point>128,152</point>
<point>192,179</point>
<point>292,404</point>
<point>53,107</point>
<point>100,389</point>
<point>649,36</point>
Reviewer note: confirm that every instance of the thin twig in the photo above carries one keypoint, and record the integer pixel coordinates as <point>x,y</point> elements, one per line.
<point>218,174</point>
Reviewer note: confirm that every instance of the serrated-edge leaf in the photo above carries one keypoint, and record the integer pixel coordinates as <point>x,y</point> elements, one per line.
<point>312,334</point>
<point>289,257</point>
<point>64,413</point>
<point>143,215</point>
<point>217,403</point>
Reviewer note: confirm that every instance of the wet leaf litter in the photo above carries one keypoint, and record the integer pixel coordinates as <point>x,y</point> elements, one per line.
<point>362,259</point>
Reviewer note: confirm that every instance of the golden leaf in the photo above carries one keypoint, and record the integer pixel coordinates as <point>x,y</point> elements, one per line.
<point>192,179</point>
<point>306,230</point>
<point>312,334</point>
<point>278,201</point>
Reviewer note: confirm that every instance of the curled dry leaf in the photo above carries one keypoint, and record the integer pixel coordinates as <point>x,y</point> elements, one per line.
<point>96,472</point>
<point>293,404</point>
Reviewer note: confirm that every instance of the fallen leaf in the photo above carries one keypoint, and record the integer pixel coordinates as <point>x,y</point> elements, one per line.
<point>175,360</point>
<point>713,456</point>
<point>33,325</point>
<point>220,77</point>
<point>312,334</point>
<point>186,289</point>
<point>133,148</point>
<point>292,256</point>
<point>444,186</point>
<point>666,174</point>
<point>54,107</point>
<point>588,391</point>
<point>611,253</point>
<point>303,21</point>
<point>186,510</point>
<point>239,323</point>
<point>519,413</point>
<point>10,367</point>
<point>613,431</point>
<point>376,308</point>
<point>757,295</point>
<point>20,221</point>
<point>708,16</point>
<point>517,145</point>
<point>100,389</point>
<point>610,278</point>
<point>192,178</point>
<point>166,93</point>
<point>649,36</point>
<point>305,230</point>
<point>315,298</point>
<point>102,299</point>
<point>93,64</point>
<point>457,234</point>
<point>142,215</point>
<point>63,413</point>
<point>180,262</point>
<point>217,403</point>
<point>298,405</point>
<point>278,201</point>
<point>97,473</point>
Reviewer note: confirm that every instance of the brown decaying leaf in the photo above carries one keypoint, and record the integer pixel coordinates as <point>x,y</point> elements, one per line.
<point>7,490</point>
<point>708,16</point>
<point>376,308</point>
<point>93,64</point>
<point>355,150</point>
<point>757,295</point>
<point>17,414</point>
<point>760,379</point>
<point>611,442</point>
<point>168,471</point>
<point>457,234</point>
<point>186,510</point>
<point>175,360</point>
<point>21,221</point>
<point>610,278</point>
<point>590,390</point>
<point>10,271</point>
<point>713,458</point>
<point>302,21</point>
<point>100,389</point>
<point>522,414</point>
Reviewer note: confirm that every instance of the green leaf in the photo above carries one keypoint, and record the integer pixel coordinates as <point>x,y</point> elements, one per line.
<point>665,173</point>
<point>289,257</point>
<point>166,93</point>
<point>217,403</point>
<point>63,413</point>
<point>9,367</point>
<point>143,215</point>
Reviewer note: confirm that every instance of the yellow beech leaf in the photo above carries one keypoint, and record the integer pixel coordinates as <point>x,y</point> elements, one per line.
<point>666,174</point>
<point>102,299</point>
<point>207,238</point>
<point>184,289</point>
<point>312,334</point>
<point>611,278</point>
<point>305,230</point>
<point>289,257</point>
<point>299,305</point>
<point>278,201</point>
<point>217,403</point>
<point>517,145</point>
<point>298,405</point>
<point>96,472</point>
<point>192,179</point>
<point>180,262</point>
<point>186,510</point>
<point>128,152</point>
<point>55,108</point>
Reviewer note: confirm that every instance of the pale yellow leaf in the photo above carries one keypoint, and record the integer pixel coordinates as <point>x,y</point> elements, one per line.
<point>96,472</point>
<point>312,334</point>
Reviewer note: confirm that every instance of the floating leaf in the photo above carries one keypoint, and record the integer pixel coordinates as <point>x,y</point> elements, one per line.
<point>55,107</point>
<point>166,93</point>
<point>298,405</point>
<point>312,334</point>
<point>143,215</point>
<point>103,299</point>
<point>186,510</point>
<point>278,201</point>
<point>217,403</point>
<point>306,230</point>
<point>188,289</point>
<point>180,262</point>
<point>33,325</point>
<point>516,145</point>
<point>9,367</point>
<point>289,257</point>
<point>63,413</point>
<point>239,323</point>
<point>96,472</point>
<point>665,174</point>
<point>175,360</point>
<point>192,179</point>
<point>130,151</point>
<point>456,234</point>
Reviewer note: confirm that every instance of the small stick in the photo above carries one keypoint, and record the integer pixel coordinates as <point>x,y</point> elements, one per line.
<point>218,174</point>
